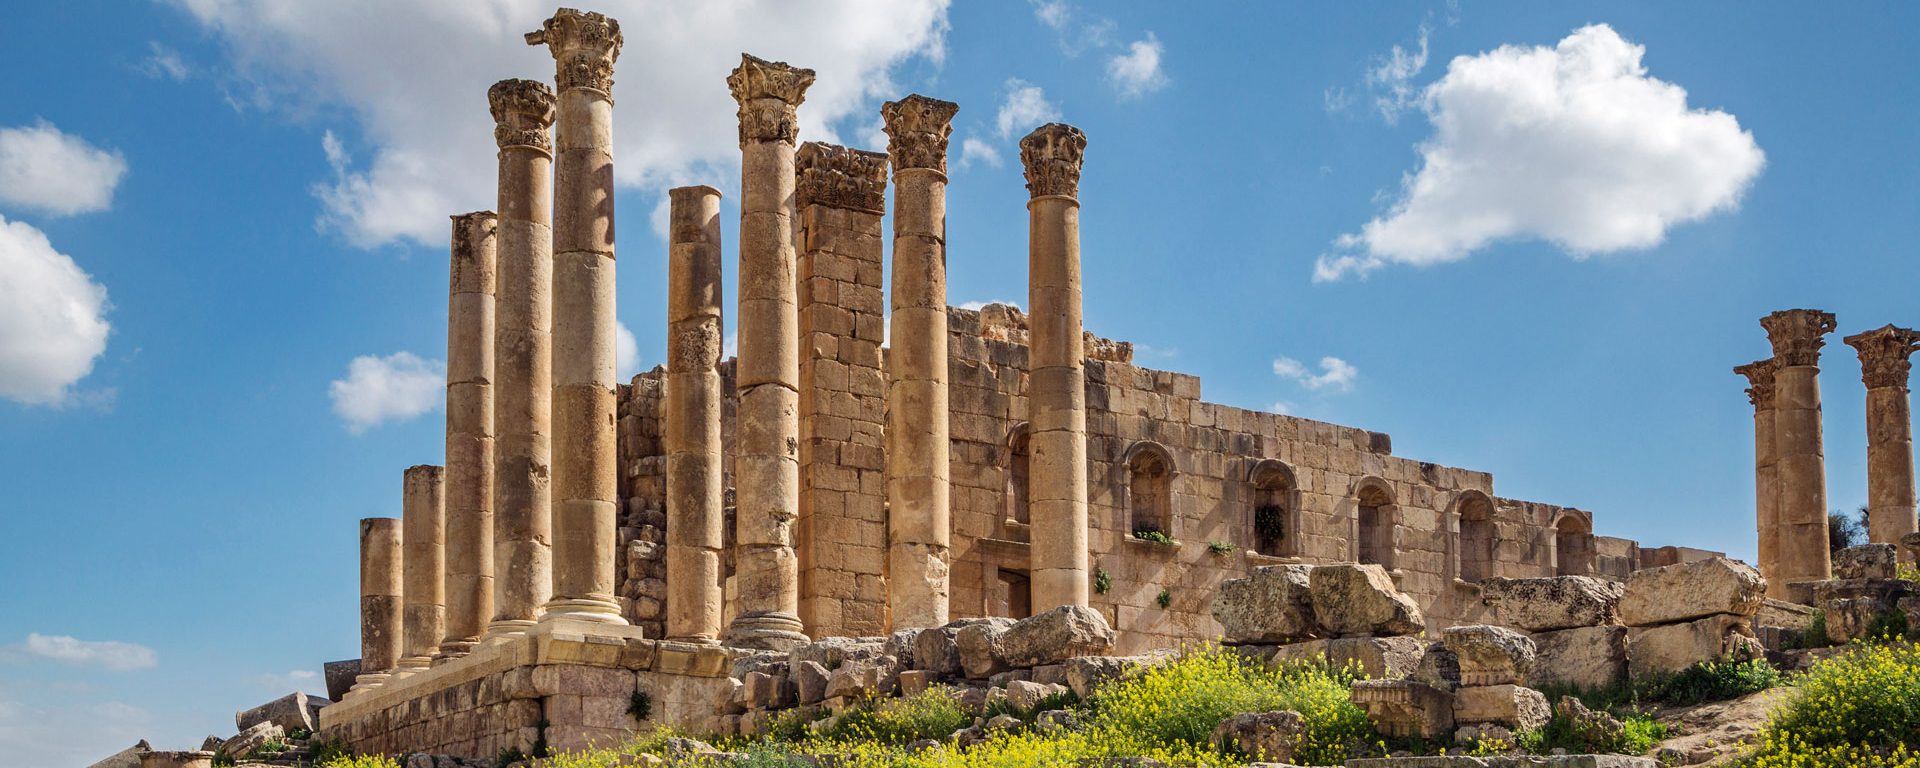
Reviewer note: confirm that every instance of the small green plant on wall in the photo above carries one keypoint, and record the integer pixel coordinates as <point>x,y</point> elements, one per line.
<point>1165,599</point>
<point>1102,581</point>
<point>1151,532</point>
<point>1220,548</point>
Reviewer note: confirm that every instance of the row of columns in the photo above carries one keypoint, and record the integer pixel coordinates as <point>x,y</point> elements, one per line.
<point>1789,461</point>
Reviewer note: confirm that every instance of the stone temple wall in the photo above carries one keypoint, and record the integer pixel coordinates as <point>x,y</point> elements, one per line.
<point>1228,488</point>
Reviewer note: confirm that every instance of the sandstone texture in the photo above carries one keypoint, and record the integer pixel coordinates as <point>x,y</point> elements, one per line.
<point>1273,604</point>
<point>1673,647</point>
<point>1353,599</point>
<point>1490,655</point>
<point>1691,591</point>
<point>1866,561</point>
<point>1269,736</point>
<point>1589,657</point>
<point>1561,602</point>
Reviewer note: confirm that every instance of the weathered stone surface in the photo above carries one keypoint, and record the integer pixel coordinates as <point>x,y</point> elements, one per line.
<point>937,650</point>
<point>1438,667</point>
<point>1911,543</point>
<point>1780,613</point>
<point>1854,607</point>
<point>340,676</point>
<point>809,681</point>
<point>160,759</point>
<point>1025,694</point>
<point>1371,656</point>
<point>1351,599</point>
<point>830,652</point>
<point>979,646</point>
<point>1085,674</point>
<point>294,710</point>
<point>126,758</point>
<point>1690,591</point>
<point>1404,708</point>
<point>1261,735</point>
<point>1592,727</point>
<point>245,742</point>
<point>1673,647</point>
<point>1055,636</point>
<point>1589,657</point>
<point>913,682</point>
<point>1491,655</point>
<point>1273,604</point>
<point>1510,705</point>
<point>857,679</point>
<point>1866,561</point>
<point>1561,602</point>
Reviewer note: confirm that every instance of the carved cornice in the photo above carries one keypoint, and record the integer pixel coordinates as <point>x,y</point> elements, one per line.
<point>917,131</point>
<point>584,47</point>
<point>768,93</point>
<point>522,112</point>
<point>1053,154</point>
<point>839,177</point>
<point>1884,355</point>
<point>1759,375</point>
<point>1798,334</point>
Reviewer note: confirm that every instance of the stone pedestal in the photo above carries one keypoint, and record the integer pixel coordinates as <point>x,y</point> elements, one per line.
<point>695,486</point>
<point>1765,488</point>
<point>585,332</point>
<point>423,517</point>
<point>381,599</point>
<point>766,467</point>
<point>469,486</point>
<point>523,358</point>
<point>1800,466</point>
<point>1885,363</point>
<point>1056,386</point>
<point>919,479</point>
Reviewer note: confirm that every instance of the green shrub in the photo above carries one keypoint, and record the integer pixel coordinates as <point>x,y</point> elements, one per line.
<point>1102,581</point>
<point>1165,598</point>
<point>1151,532</point>
<point>931,714</point>
<point>358,761</point>
<point>323,752</point>
<point>1638,734</point>
<point>1709,681</point>
<point>640,705</point>
<point>1859,708</point>
<point>1219,548</point>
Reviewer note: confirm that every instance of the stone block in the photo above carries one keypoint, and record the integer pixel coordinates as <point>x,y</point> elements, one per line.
<point>1866,561</point>
<point>1491,655</point>
<point>1085,674</point>
<point>1690,591</point>
<point>1055,636</point>
<point>340,675</point>
<point>1561,602</point>
<point>809,681</point>
<point>1673,647</point>
<point>1273,604</point>
<point>1855,607</point>
<point>979,647</point>
<point>1589,657</point>
<point>293,711</point>
<point>250,739</point>
<point>1513,706</point>
<point>1025,694</point>
<point>914,682</point>
<point>1353,599</point>
<point>1405,709</point>
<point>859,680</point>
<point>1270,736</point>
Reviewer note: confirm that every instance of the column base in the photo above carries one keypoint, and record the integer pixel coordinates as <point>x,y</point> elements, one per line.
<point>453,650</point>
<point>409,665</point>
<point>582,609</point>
<point>367,682</point>
<point>767,632</point>
<point>502,630</point>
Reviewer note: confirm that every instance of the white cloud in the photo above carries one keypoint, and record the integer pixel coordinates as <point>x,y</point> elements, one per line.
<point>1335,373</point>
<point>626,353</point>
<point>45,170</point>
<point>1053,13</point>
<point>107,654</point>
<point>977,305</point>
<point>1281,407</point>
<point>1026,108</point>
<point>164,62</point>
<point>1136,72</point>
<point>1574,144</point>
<point>397,387</point>
<point>414,86</point>
<point>973,150</point>
<point>1076,33</point>
<point>52,318</point>
<point>67,733</point>
<point>1391,79</point>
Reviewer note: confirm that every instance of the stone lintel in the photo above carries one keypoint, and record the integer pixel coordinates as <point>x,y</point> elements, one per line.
<point>1052,155</point>
<point>522,112</point>
<point>917,131</point>
<point>840,177</point>
<point>768,93</point>
<point>1798,334</point>
<point>1885,355</point>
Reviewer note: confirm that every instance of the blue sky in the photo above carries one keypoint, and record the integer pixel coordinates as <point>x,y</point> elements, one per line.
<point>213,208</point>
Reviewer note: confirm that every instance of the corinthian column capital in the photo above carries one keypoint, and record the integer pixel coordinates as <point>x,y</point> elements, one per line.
<point>1759,375</point>
<point>1798,334</point>
<point>522,113</point>
<point>840,177</point>
<point>584,47</point>
<point>917,131</point>
<point>1884,355</point>
<point>768,92</point>
<point>1052,155</point>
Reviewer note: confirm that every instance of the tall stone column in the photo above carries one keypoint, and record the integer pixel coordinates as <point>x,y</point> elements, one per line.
<point>1800,464</point>
<point>381,599</point>
<point>423,517</point>
<point>766,467</point>
<point>1766,513</point>
<point>469,492</point>
<point>585,393</point>
<point>695,487</point>
<point>1885,362</point>
<point>1056,384</point>
<point>522,351</point>
<point>919,482</point>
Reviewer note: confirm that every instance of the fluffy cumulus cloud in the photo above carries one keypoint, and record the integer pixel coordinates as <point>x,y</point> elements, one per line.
<point>45,170</point>
<point>1574,144</point>
<point>1026,108</point>
<point>52,318</point>
<point>1335,374</point>
<point>973,150</point>
<point>412,75</point>
<point>626,352</point>
<point>377,390</point>
<point>106,654</point>
<point>1136,70</point>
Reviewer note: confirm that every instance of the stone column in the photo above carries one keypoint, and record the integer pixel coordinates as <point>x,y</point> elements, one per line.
<point>523,371</point>
<point>1884,366</point>
<point>1056,384</point>
<point>1766,513</point>
<point>423,516</point>
<point>1800,461</point>
<point>919,482</point>
<point>695,486</point>
<point>469,494</point>
<point>766,467</point>
<point>380,600</point>
<point>585,459</point>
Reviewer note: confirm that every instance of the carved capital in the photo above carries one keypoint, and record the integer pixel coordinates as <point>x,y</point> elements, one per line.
<point>917,131</point>
<point>839,177</point>
<point>1798,334</point>
<point>584,47</point>
<point>522,113</point>
<point>1053,154</point>
<point>1884,355</point>
<point>768,93</point>
<point>1759,375</point>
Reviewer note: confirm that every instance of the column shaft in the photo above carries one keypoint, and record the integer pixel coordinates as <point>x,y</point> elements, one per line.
<point>695,486</point>
<point>423,517</point>
<point>1800,466</point>
<point>380,600</point>
<point>1765,488</point>
<point>1056,385</point>
<point>585,451</point>
<point>1885,365</point>
<point>469,489</point>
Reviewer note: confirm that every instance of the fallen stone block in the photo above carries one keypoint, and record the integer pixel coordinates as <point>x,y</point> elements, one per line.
<point>1690,591</point>
<point>1561,602</point>
<point>1866,561</point>
<point>858,680</point>
<point>255,736</point>
<point>160,759</point>
<point>1406,709</point>
<point>294,711</point>
<point>1056,635</point>
<point>340,676</point>
<point>1513,706</point>
<point>1026,695</point>
<point>126,758</point>
<point>1438,667</point>
<point>914,682</point>
<point>1855,608</point>
<point>1273,604</point>
<point>1490,655</point>
<point>1354,599</point>
<point>809,681</point>
<point>1589,657</point>
<point>1674,647</point>
<point>831,652</point>
<point>1085,674</point>
<point>1374,657</point>
<point>979,644</point>
<point>1261,735</point>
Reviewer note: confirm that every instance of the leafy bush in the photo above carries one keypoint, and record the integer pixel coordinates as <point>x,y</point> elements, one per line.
<point>931,714</point>
<point>1151,532</point>
<point>640,705</point>
<point>1638,734</point>
<point>324,752</point>
<point>1859,708</point>
<point>1165,598</point>
<point>358,761</point>
<point>1102,581</point>
<point>1219,548</point>
<point>1710,681</point>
